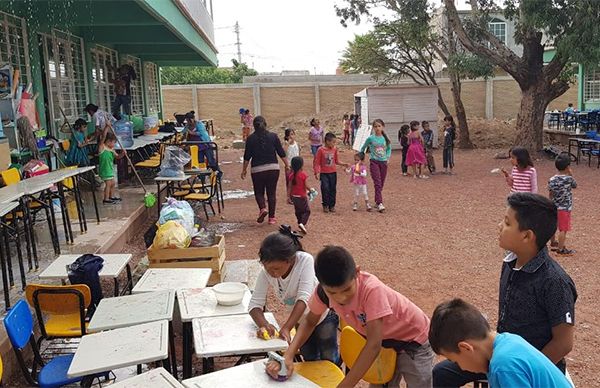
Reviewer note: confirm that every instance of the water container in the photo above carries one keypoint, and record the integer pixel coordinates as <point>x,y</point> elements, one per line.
<point>124,131</point>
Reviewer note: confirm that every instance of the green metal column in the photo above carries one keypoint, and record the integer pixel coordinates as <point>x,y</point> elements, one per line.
<point>35,61</point>
<point>87,49</point>
<point>580,87</point>
<point>144,89</point>
<point>160,96</point>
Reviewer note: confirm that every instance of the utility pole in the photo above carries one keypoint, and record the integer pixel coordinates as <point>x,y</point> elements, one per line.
<point>236,29</point>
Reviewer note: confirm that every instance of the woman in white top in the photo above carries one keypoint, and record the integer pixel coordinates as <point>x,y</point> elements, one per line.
<point>291,273</point>
<point>292,149</point>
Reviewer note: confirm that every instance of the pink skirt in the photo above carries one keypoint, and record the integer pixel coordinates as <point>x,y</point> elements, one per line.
<point>415,155</point>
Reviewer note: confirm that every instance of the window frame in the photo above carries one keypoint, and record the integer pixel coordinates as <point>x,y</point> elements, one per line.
<point>498,23</point>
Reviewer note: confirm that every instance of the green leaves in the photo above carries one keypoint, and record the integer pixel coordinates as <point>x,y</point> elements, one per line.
<point>184,75</point>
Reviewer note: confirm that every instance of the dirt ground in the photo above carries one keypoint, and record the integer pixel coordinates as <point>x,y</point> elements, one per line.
<point>438,238</point>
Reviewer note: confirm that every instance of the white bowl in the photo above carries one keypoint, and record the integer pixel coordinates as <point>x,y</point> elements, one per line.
<point>229,293</point>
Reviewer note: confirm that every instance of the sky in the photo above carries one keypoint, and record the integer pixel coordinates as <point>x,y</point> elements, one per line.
<point>281,35</point>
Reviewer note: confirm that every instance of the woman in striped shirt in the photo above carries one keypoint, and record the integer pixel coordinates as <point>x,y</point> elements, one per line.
<point>523,177</point>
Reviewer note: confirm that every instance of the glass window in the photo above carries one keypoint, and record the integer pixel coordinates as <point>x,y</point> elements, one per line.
<point>152,91</point>
<point>591,85</point>
<point>499,30</point>
<point>104,60</point>
<point>13,45</point>
<point>137,95</point>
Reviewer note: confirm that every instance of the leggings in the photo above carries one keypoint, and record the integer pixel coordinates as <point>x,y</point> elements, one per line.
<point>449,157</point>
<point>266,181</point>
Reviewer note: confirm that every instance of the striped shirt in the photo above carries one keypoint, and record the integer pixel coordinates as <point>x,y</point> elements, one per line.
<point>523,181</point>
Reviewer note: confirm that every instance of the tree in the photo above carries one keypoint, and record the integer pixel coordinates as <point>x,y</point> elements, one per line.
<point>571,27</point>
<point>178,75</point>
<point>408,48</point>
<point>391,55</point>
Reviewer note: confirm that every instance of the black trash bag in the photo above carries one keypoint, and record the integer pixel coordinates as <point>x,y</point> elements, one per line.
<point>85,270</point>
<point>149,235</point>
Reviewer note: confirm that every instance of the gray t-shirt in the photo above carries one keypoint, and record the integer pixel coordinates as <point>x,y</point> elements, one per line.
<point>560,186</point>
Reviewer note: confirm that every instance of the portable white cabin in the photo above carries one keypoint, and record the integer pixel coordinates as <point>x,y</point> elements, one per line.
<point>396,106</point>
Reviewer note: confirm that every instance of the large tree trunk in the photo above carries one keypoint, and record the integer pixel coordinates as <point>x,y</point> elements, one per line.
<point>530,119</point>
<point>442,104</point>
<point>464,140</point>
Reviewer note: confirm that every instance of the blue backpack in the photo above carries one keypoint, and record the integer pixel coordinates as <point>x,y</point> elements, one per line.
<point>85,270</point>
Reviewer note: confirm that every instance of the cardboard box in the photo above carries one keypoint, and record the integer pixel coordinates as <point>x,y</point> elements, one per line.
<point>194,257</point>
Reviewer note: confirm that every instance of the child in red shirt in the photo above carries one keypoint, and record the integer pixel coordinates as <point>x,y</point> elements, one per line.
<point>298,192</point>
<point>324,165</point>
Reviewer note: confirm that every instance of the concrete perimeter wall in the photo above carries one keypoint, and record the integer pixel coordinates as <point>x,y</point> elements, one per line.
<point>497,97</point>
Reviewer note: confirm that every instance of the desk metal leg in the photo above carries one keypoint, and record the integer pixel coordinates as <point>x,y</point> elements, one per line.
<point>78,205</point>
<point>158,197</point>
<point>29,232</point>
<point>52,225</point>
<point>4,247</point>
<point>129,278</point>
<point>173,355</point>
<point>187,349</point>
<point>65,214</point>
<point>4,280</point>
<point>116,281</point>
<point>93,188</point>
<point>80,199</point>
<point>6,231</point>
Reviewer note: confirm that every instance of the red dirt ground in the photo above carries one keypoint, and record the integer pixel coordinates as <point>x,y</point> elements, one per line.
<point>438,238</point>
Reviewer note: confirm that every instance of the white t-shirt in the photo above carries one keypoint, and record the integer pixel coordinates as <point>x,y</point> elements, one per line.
<point>102,118</point>
<point>292,151</point>
<point>298,285</point>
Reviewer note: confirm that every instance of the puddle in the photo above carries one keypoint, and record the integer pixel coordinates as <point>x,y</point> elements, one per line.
<point>226,162</point>
<point>237,194</point>
<point>225,181</point>
<point>225,227</point>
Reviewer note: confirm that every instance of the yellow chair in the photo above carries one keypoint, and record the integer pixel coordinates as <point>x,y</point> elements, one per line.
<point>383,368</point>
<point>195,162</point>
<point>65,145</point>
<point>64,308</point>
<point>68,182</point>
<point>12,177</point>
<point>322,373</point>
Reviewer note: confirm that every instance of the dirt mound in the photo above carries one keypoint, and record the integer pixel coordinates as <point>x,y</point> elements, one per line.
<point>485,133</point>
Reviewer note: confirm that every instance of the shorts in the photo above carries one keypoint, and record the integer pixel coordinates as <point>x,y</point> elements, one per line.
<point>107,178</point>
<point>361,190</point>
<point>564,220</point>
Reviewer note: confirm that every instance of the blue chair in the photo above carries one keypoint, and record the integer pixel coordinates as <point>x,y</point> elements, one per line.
<point>570,121</point>
<point>19,327</point>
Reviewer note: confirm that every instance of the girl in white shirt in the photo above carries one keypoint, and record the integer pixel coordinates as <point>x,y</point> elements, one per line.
<point>292,149</point>
<point>291,273</point>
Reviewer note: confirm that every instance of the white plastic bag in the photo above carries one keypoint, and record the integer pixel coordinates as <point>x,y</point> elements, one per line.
<point>173,162</point>
<point>178,211</point>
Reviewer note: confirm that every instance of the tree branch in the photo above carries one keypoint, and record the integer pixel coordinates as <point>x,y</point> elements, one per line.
<point>502,56</point>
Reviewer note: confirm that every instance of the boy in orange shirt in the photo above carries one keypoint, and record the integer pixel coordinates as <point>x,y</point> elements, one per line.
<point>384,316</point>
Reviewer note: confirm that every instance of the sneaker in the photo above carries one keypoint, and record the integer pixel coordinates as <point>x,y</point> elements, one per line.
<point>108,202</point>
<point>355,206</point>
<point>272,220</point>
<point>302,228</point>
<point>404,174</point>
<point>369,208</point>
<point>424,177</point>
<point>261,215</point>
<point>380,208</point>
<point>325,209</point>
<point>565,251</point>
<point>116,199</point>
<point>332,209</point>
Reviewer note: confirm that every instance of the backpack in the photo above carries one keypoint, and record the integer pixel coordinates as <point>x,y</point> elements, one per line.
<point>85,270</point>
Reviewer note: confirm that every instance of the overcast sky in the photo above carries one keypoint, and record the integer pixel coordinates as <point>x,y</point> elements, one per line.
<point>281,35</point>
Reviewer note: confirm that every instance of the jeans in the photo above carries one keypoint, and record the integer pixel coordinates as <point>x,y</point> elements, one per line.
<point>209,155</point>
<point>314,149</point>
<point>328,188</point>
<point>449,374</point>
<point>378,174</point>
<point>301,209</point>
<point>121,100</point>
<point>449,157</point>
<point>266,181</point>
<point>322,343</point>
<point>430,160</point>
<point>404,166</point>
<point>414,366</point>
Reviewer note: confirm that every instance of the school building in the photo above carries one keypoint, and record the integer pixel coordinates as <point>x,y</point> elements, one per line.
<point>65,49</point>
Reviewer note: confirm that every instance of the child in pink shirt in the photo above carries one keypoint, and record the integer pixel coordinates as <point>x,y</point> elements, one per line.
<point>385,317</point>
<point>358,178</point>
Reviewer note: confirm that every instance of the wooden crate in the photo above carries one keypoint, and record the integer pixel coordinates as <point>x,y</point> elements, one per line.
<point>194,257</point>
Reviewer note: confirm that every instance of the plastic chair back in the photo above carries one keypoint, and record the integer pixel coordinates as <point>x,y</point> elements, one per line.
<point>18,323</point>
<point>195,163</point>
<point>65,145</point>
<point>68,182</point>
<point>383,368</point>
<point>11,176</point>
<point>58,300</point>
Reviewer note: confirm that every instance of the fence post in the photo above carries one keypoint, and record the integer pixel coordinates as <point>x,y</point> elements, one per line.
<point>256,95</point>
<point>317,98</point>
<point>195,99</point>
<point>489,98</point>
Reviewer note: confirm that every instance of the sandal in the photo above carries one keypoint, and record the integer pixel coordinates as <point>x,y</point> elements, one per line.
<point>261,216</point>
<point>565,251</point>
